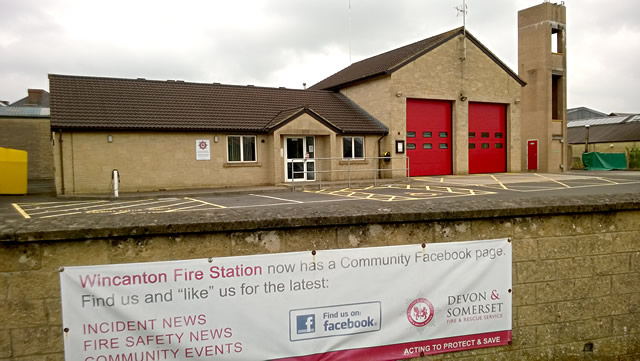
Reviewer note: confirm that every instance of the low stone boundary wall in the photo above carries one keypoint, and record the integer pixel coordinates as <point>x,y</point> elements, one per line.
<point>576,266</point>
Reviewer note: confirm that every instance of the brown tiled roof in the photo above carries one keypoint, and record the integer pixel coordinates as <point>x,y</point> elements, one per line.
<point>79,102</point>
<point>387,63</point>
<point>287,115</point>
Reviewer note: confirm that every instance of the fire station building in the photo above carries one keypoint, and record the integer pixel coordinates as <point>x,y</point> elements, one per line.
<point>443,105</point>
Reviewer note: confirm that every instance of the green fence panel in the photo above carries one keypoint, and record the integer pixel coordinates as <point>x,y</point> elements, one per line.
<point>604,161</point>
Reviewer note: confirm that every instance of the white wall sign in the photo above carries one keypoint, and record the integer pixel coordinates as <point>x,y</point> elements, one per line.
<point>203,149</point>
<point>378,303</point>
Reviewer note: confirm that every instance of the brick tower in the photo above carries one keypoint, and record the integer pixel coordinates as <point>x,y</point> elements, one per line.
<point>542,63</point>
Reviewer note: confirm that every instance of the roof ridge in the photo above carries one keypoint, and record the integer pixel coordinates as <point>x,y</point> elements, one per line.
<point>410,44</point>
<point>172,81</point>
<point>449,35</point>
<point>275,120</point>
<point>361,110</point>
<point>392,60</point>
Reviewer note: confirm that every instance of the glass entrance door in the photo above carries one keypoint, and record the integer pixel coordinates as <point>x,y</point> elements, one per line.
<point>300,163</point>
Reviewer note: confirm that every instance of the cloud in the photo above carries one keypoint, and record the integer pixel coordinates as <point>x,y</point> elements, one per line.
<point>287,42</point>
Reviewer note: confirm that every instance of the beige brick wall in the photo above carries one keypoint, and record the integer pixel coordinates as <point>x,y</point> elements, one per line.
<point>32,135</point>
<point>575,278</point>
<point>441,75</point>
<point>151,161</point>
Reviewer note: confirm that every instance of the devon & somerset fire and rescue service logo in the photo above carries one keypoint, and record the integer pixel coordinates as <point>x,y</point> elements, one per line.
<point>420,312</point>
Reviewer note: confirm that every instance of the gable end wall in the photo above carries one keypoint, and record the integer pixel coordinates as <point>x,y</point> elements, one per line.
<point>440,74</point>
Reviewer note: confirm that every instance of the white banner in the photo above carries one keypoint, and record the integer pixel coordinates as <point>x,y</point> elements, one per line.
<point>382,303</point>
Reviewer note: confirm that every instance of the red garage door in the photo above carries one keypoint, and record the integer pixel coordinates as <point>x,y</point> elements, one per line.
<point>429,137</point>
<point>487,138</point>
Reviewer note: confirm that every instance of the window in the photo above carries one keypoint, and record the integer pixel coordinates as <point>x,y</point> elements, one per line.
<point>498,135</point>
<point>241,148</point>
<point>353,147</point>
<point>411,134</point>
<point>443,146</point>
<point>498,145</point>
<point>472,146</point>
<point>556,41</point>
<point>484,134</point>
<point>427,146</point>
<point>557,85</point>
<point>472,134</point>
<point>427,134</point>
<point>443,134</point>
<point>484,145</point>
<point>411,146</point>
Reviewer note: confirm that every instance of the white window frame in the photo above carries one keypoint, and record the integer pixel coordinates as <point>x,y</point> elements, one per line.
<point>242,137</point>
<point>353,147</point>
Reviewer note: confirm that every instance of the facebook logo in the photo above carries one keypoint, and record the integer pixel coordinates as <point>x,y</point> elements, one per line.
<point>305,324</point>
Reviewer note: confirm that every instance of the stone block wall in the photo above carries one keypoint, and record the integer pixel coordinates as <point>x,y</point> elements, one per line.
<point>575,276</point>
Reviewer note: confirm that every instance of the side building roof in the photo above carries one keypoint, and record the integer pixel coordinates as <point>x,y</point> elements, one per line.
<point>36,97</point>
<point>389,62</point>
<point>583,113</point>
<point>605,129</point>
<point>81,102</point>
<point>24,112</point>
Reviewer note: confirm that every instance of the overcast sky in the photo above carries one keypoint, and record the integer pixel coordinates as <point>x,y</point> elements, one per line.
<point>288,42</point>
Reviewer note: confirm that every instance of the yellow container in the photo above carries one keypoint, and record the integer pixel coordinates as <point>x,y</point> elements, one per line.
<point>13,171</point>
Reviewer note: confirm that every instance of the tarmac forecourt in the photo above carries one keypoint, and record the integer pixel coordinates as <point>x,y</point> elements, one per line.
<point>417,189</point>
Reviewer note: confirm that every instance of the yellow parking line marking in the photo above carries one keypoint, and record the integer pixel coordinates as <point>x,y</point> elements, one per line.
<point>132,205</point>
<point>553,180</point>
<point>164,207</point>
<point>607,180</point>
<point>65,202</point>
<point>188,207</point>
<point>205,202</point>
<point>449,189</point>
<point>276,198</point>
<point>58,205</point>
<point>428,188</point>
<point>22,212</point>
<point>59,215</point>
<point>441,180</point>
<point>500,183</point>
<point>278,204</point>
<point>82,208</point>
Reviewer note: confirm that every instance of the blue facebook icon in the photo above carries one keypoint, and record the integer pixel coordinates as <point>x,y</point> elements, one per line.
<point>305,324</point>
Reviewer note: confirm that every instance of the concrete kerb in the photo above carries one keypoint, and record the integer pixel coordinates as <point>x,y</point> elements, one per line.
<point>90,227</point>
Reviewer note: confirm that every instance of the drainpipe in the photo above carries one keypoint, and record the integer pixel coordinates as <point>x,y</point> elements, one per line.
<point>61,165</point>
